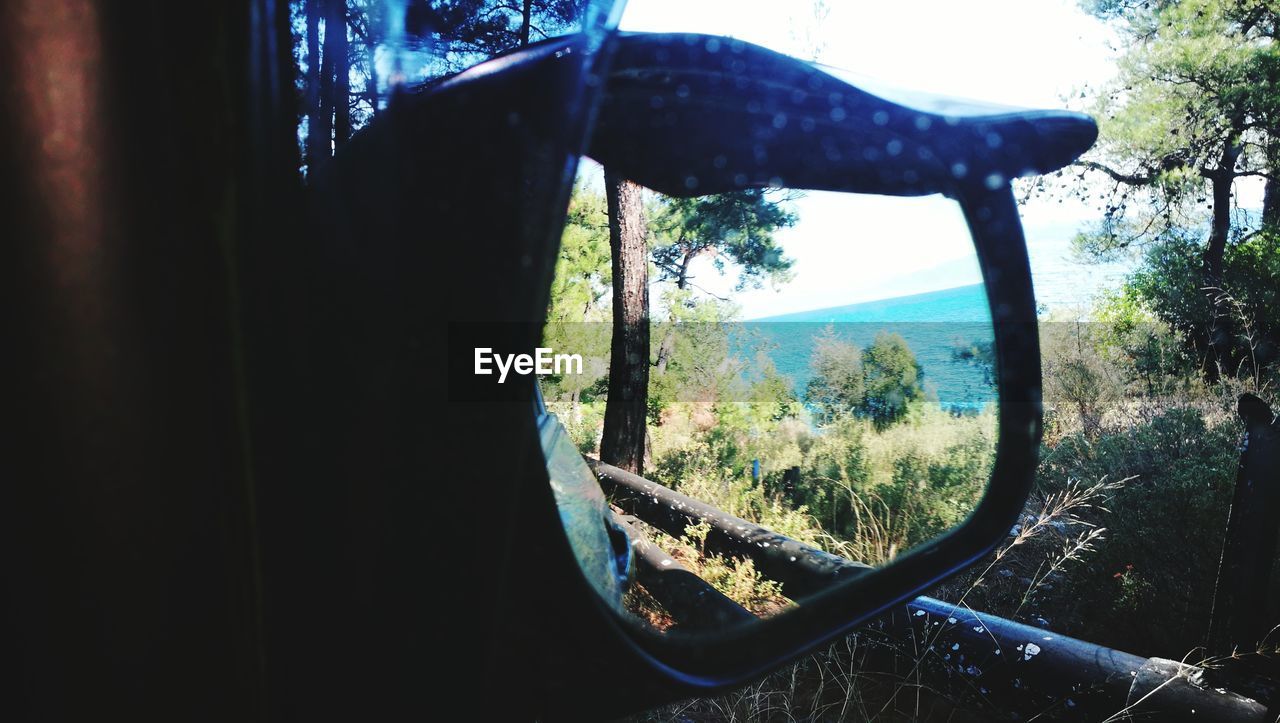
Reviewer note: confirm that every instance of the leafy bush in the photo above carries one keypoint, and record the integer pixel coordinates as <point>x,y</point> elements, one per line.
<point>892,378</point>
<point>836,388</point>
<point>880,382</point>
<point>1150,587</point>
<point>1234,328</point>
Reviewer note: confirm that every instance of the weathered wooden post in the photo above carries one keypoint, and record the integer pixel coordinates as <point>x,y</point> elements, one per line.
<point>1239,617</point>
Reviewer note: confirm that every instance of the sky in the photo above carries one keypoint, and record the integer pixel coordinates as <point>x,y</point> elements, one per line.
<point>848,249</point>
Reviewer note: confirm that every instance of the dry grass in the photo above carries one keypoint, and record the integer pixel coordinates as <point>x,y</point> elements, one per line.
<point>842,684</point>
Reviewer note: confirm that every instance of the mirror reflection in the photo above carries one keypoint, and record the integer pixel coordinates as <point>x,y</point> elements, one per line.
<point>766,392</point>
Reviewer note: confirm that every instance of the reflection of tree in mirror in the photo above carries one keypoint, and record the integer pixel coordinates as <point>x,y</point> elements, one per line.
<point>346,78</point>
<point>878,382</point>
<point>735,227</point>
<point>836,388</point>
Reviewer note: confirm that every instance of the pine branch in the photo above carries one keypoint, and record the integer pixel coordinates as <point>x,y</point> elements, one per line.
<point>1119,176</point>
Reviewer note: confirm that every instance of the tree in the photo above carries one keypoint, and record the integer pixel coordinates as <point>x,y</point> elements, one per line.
<point>1238,318</point>
<point>703,343</point>
<point>419,40</point>
<point>1192,110</point>
<point>877,383</point>
<point>1077,377</point>
<point>836,388</point>
<point>463,32</point>
<point>623,441</point>
<point>335,75</point>
<point>317,145</point>
<point>580,292</point>
<point>891,378</point>
<point>736,227</point>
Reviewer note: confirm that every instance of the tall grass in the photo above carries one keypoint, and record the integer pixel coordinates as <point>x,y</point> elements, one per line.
<point>839,684</point>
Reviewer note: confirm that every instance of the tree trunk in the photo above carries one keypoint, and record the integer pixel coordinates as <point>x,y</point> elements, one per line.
<point>323,117</point>
<point>1215,251</point>
<point>1271,193</point>
<point>1216,247</point>
<point>526,17</point>
<point>371,82</point>
<point>623,443</point>
<point>1271,202</point>
<point>317,140</point>
<point>668,345</point>
<point>336,56</point>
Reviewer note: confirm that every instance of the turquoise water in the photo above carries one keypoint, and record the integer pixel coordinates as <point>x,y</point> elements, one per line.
<point>961,304</point>
<point>933,325</point>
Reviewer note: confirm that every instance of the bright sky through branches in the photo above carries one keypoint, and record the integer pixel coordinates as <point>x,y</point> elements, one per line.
<point>1033,53</point>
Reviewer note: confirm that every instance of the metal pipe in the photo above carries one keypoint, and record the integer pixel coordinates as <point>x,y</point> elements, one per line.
<point>1000,665</point>
<point>801,569</point>
<point>691,601</point>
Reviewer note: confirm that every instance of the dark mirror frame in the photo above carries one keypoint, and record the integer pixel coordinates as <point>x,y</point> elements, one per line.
<point>637,141</point>
<point>667,138</point>
<point>247,489</point>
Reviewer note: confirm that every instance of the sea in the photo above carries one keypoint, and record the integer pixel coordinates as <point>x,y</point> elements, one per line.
<point>936,324</point>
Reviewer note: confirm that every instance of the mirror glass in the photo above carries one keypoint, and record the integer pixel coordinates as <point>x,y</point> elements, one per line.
<point>352,59</point>
<point>802,380</point>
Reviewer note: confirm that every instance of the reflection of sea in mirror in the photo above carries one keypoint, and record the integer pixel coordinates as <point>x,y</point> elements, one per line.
<point>790,452</point>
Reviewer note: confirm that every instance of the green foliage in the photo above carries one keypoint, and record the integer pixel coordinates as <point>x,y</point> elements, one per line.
<point>738,226</point>
<point>879,382</point>
<point>770,398</point>
<point>1239,318</point>
<point>836,388</point>
<point>580,289</point>
<point>737,579</point>
<point>578,314</point>
<point>1149,587</point>
<point>891,377</point>
<point>1147,349</point>
<point>1194,87</point>
<point>1080,384</point>
<point>699,363</point>
<point>862,492</point>
<point>582,420</point>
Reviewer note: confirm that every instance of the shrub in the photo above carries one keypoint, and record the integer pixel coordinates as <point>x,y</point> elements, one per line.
<point>891,378</point>
<point>1150,587</point>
